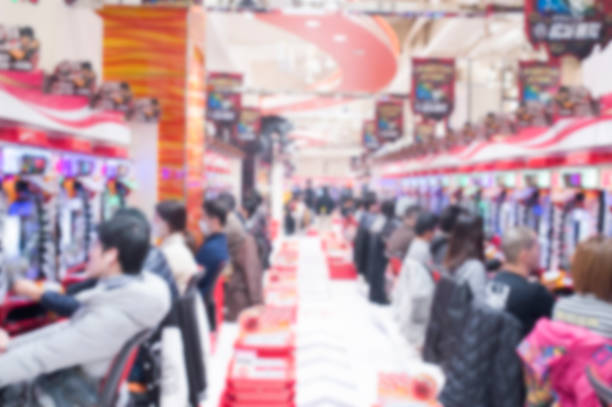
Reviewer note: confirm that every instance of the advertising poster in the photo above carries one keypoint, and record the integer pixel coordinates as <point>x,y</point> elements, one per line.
<point>569,27</point>
<point>18,49</point>
<point>71,78</point>
<point>538,81</point>
<point>369,137</point>
<point>389,120</point>
<point>224,101</point>
<point>433,87</point>
<point>248,125</point>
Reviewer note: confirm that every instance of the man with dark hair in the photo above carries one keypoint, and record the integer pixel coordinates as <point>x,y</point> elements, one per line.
<point>214,253</point>
<point>399,242</point>
<point>124,302</point>
<point>424,230</point>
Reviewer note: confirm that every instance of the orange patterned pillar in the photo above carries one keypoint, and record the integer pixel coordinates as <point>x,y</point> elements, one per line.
<point>160,52</point>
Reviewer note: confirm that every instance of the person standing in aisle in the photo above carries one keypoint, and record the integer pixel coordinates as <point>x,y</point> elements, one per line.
<point>510,290</point>
<point>424,229</point>
<point>243,286</point>
<point>360,245</point>
<point>170,226</point>
<point>257,224</point>
<point>381,229</point>
<point>399,242</point>
<point>465,257</point>
<point>213,254</point>
<point>310,198</point>
<point>414,290</point>
<point>439,244</point>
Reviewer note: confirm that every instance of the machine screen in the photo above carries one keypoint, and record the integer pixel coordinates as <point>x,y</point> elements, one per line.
<point>573,180</point>
<point>85,167</point>
<point>33,165</point>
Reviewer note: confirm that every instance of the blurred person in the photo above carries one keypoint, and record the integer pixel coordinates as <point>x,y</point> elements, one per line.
<point>580,334</point>
<point>310,197</point>
<point>243,286</point>
<point>591,305</point>
<point>414,290</point>
<point>380,231</point>
<point>510,289</point>
<point>465,256</point>
<point>424,230</point>
<point>399,242</point>
<point>67,304</point>
<point>170,226</point>
<point>214,252</point>
<point>257,224</point>
<point>75,354</point>
<point>360,244</point>
<point>439,244</point>
<point>325,203</point>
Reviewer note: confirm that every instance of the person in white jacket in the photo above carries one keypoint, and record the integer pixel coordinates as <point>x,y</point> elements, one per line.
<point>124,302</point>
<point>170,226</point>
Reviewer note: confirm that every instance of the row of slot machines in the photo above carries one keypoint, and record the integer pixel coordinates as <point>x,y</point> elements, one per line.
<point>564,206</point>
<point>50,204</point>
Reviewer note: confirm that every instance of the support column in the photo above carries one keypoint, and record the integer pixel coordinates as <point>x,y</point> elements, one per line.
<point>160,52</point>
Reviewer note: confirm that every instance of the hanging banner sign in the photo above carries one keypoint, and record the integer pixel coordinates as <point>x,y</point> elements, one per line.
<point>369,138</point>
<point>424,131</point>
<point>223,99</point>
<point>248,125</point>
<point>569,27</point>
<point>538,81</point>
<point>433,87</point>
<point>18,49</point>
<point>71,78</point>
<point>389,120</point>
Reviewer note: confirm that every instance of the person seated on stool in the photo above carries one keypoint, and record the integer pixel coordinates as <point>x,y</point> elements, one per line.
<point>124,302</point>
<point>213,253</point>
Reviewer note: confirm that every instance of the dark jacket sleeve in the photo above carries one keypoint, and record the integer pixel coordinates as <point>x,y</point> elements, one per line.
<point>61,304</point>
<point>156,263</point>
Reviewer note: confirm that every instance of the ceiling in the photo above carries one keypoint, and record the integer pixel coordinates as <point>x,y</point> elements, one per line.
<point>324,70</point>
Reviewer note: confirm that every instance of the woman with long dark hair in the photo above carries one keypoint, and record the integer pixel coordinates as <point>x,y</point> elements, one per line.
<point>465,256</point>
<point>170,226</point>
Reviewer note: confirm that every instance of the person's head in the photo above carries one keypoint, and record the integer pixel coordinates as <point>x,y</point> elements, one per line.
<point>213,217</point>
<point>370,202</point>
<point>521,249</point>
<point>228,200</point>
<point>592,268</point>
<point>426,225</point>
<point>466,241</point>
<point>388,208</point>
<point>448,217</point>
<point>410,215</point>
<point>122,245</point>
<point>170,217</point>
<point>86,66</point>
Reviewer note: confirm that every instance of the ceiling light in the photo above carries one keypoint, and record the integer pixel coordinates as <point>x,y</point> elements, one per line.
<point>313,23</point>
<point>340,38</point>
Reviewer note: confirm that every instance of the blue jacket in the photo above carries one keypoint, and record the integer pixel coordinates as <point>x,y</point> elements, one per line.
<point>212,255</point>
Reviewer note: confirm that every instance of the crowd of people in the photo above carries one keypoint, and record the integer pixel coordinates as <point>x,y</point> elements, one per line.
<point>132,286</point>
<point>501,337</point>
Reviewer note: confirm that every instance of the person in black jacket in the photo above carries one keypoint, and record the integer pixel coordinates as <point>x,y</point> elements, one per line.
<point>325,203</point>
<point>380,231</point>
<point>360,244</point>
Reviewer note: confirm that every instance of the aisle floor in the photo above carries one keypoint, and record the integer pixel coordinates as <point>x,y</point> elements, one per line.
<point>343,341</point>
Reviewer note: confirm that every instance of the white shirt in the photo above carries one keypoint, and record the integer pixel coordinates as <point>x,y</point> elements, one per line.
<point>180,259</point>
